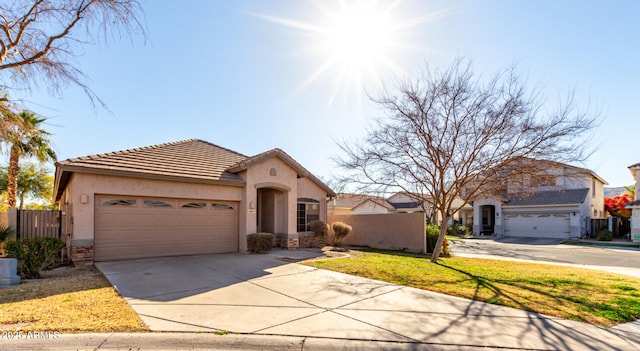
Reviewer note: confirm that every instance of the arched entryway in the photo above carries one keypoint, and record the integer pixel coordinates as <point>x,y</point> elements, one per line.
<point>271,211</point>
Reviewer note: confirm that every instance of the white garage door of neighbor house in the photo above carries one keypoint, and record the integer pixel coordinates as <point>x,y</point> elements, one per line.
<point>537,225</point>
<point>138,227</point>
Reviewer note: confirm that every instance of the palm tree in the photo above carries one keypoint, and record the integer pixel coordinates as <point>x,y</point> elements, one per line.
<point>34,182</point>
<point>25,138</point>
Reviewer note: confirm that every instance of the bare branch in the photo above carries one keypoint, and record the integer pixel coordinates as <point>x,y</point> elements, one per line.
<point>450,138</point>
<point>38,38</point>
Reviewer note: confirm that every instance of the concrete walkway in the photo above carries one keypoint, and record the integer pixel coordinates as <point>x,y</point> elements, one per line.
<point>267,295</point>
<point>275,304</point>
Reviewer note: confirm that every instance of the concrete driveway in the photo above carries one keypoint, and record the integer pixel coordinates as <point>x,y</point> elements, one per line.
<point>266,294</point>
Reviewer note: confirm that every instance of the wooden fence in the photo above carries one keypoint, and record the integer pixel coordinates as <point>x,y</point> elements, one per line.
<point>36,224</point>
<point>621,227</point>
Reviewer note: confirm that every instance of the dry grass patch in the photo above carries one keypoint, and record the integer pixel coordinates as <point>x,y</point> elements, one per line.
<point>67,300</point>
<point>594,297</point>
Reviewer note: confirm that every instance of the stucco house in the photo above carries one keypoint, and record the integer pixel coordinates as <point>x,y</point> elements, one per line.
<point>634,206</point>
<point>558,205</point>
<point>183,198</point>
<point>400,202</point>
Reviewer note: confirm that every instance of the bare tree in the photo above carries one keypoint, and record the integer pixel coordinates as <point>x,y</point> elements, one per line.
<point>39,38</point>
<point>452,135</point>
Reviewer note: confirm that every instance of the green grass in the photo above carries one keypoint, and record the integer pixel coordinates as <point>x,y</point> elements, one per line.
<point>594,297</point>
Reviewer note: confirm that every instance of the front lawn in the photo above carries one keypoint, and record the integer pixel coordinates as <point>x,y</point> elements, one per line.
<point>594,297</point>
<point>79,301</point>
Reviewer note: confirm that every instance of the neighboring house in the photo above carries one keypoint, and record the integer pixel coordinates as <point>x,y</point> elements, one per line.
<point>184,198</point>
<point>343,204</point>
<point>634,206</point>
<point>558,205</point>
<point>401,202</point>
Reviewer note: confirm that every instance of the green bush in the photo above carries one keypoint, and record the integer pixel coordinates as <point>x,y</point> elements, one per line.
<point>459,230</point>
<point>433,232</point>
<point>6,233</point>
<point>260,242</point>
<point>605,235</point>
<point>340,231</point>
<point>319,228</point>
<point>34,255</point>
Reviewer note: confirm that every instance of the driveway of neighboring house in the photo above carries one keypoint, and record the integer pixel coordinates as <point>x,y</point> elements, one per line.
<point>612,259</point>
<point>266,294</point>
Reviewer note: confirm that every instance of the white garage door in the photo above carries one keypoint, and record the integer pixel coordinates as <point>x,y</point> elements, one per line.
<point>537,225</point>
<point>137,227</point>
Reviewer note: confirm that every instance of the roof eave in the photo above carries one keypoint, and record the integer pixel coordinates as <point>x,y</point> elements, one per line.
<point>64,171</point>
<point>284,157</point>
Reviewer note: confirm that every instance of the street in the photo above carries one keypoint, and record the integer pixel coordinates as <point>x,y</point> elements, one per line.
<point>548,251</point>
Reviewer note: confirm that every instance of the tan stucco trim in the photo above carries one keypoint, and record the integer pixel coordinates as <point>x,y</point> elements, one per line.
<point>273,185</point>
<point>63,172</point>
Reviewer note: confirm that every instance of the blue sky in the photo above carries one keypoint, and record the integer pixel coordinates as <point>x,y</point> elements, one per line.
<point>247,75</point>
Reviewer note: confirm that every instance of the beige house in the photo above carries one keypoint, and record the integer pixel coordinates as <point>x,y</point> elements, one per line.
<point>558,205</point>
<point>401,202</point>
<point>634,206</point>
<point>184,198</point>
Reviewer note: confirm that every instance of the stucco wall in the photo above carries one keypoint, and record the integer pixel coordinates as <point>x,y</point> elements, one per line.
<point>392,231</point>
<point>272,174</point>
<point>83,188</point>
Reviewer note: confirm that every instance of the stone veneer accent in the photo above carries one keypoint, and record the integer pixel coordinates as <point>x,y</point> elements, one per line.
<point>287,241</point>
<point>82,254</point>
<point>311,240</point>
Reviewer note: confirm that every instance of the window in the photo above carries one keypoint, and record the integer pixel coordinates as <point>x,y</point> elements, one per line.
<point>119,202</point>
<point>156,203</point>
<point>308,211</point>
<point>221,206</point>
<point>194,205</point>
<point>593,187</point>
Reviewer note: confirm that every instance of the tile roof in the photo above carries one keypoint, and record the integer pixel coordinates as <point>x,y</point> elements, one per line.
<point>634,166</point>
<point>632,204</point>
<point>377,202</point>
<point>344,200</point>
<point>406,205</point>
<point>554,197</point>
<point>195,159</point>
<point>188,160</point>
<point>302,172</point>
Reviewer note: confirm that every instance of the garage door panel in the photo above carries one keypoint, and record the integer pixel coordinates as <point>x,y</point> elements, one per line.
<point>537,225</point>
<point>150,228</point>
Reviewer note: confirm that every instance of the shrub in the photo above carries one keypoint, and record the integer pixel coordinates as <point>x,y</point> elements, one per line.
<point>6,233</point>
<point>34,255</point>
<point>260,242</point>
<point>459,230</point>
<point>433,232</point>
<point>340,231</point>
<point>605,235</point>
<point>319,228</point>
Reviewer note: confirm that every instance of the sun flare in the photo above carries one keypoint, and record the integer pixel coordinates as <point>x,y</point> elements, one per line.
<point>354,44</point>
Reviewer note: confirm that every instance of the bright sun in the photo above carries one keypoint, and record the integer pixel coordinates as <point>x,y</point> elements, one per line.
<point>356,43</point>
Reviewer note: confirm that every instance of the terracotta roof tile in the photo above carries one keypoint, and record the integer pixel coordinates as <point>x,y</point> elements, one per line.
<point>192,158</point>
<point>188,160</point>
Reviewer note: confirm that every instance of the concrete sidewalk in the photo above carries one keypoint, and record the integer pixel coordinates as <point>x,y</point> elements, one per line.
<point>275,304</point>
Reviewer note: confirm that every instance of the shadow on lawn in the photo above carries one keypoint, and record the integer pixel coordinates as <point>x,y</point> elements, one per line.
<point>431,318</point>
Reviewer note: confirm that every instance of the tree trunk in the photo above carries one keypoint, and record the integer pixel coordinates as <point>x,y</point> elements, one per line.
<point>443,232</point>
<point>12,177</point>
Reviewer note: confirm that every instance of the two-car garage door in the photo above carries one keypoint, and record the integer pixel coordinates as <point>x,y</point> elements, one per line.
<point>537,225</point>
<point>137,227</point>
